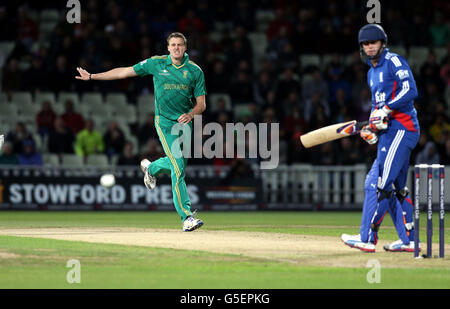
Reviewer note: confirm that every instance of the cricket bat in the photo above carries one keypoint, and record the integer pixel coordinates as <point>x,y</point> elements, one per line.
<point>331,133</point>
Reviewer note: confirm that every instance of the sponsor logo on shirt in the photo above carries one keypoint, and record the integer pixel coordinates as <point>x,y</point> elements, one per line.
<point>164,72</point>
<point>402,74</point>
<point>176,87</point>
<point>380,97</point>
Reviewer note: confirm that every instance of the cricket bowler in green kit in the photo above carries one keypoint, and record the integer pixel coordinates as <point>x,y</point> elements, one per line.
<point>176,80</point>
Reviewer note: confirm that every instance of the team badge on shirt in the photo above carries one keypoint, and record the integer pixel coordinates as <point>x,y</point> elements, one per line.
<point>185,73</point>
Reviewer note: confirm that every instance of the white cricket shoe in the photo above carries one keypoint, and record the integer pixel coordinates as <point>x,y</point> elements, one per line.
<point>149,180</point>
<point>192,223</point>
<point>399,246</point>
<point>346,237</point>
<point>354,241</point>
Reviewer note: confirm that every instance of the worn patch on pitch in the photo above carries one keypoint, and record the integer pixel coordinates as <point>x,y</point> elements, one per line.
<point>288,248</point>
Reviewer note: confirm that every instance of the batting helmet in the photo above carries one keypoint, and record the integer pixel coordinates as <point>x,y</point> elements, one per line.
<point>371,32</point>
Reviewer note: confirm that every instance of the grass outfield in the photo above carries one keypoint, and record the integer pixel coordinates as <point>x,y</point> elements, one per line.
<point>30,262</point>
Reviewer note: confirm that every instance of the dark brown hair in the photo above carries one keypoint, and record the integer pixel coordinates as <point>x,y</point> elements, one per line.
<point>177,35</point>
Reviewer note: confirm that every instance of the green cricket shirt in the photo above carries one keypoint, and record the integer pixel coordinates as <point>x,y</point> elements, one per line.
<point>174,85</point>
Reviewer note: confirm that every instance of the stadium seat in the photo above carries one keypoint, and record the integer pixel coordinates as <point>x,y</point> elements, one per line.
<point>29,110</point>
<point>400,50</point>
<point>116,99</point>
<point>8,110</point>
<point>135,143</point>
<point>3,98</point>
<point>417,56</point>
<point>22,97</point>
<point>100,110</point>
<point>309,60</point>
<point>326,59</point>
<point>146,106</point>
<point>240,109</point>
<point>44,96</point>
<point>441,52</point>
<point>146,99</point>
<point>114,160</point>
<point>64,96</point>
<point>128,114</point>
<point>46,28</point>
<point>263,19</point>
<point>72,160</point>
<point>6,47</point>
<point>91,98</point>
<point>99,160</point>
<point>259,45</point>
<point>50,159</point>
<point>38,143</point>
<point>100,123</point>
<point>213,97</point>
<point>58,108</point>
<point>123,125</point>
<point>49,15</point>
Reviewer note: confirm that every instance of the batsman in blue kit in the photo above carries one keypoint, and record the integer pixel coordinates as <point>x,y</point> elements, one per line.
<point>393,124</point>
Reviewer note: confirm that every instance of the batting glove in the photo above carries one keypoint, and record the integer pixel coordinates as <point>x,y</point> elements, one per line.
<point>368,135</point>
<point>379,119</point>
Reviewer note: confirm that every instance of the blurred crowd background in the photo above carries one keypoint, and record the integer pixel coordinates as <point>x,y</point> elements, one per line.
<point>292,62</point>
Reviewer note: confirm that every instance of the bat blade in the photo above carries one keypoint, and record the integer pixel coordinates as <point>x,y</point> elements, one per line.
<point>331,133</point>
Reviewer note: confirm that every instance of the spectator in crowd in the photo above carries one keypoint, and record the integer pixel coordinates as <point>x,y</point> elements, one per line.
<point>35,76</point>
<point>128,157</point>
<point>439,31</point>
<point>12,76</point>
<point>439,128</point>
<point>287,83</point>
<point>240,169</point>
<point>45,119</point>
<point>152,151</point>
<point>114,139</point>
<point>8,157</point>
<point>220,107</point>
<point>280,21</point>
<point>72,120</point>
<point>27,29</point>
<point>60,139</point>
<point>190,23</point>
<point>147,130</point>
<point>315,84</point>
<point>89,141</point>
<point>261,88</point>
<point>241,91</point>
<point>219,83</point>
<point>313,104</point>
<point>18,136</point>
<point>60,77</point>
<point>29,156</point>
<point>428,155</point>
<point>346,155</point>
<point>430,71</point>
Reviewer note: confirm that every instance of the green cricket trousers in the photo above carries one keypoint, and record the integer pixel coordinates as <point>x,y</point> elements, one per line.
<point>174,163</point>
